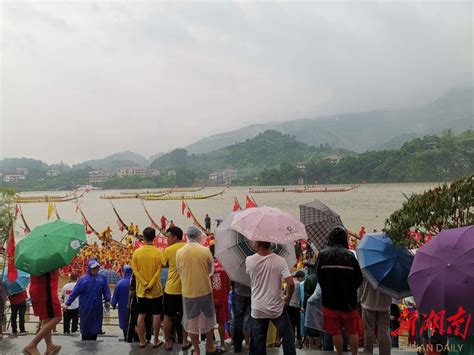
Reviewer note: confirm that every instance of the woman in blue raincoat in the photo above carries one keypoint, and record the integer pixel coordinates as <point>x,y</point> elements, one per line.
<point>121,298</point>
<point>92,289</point>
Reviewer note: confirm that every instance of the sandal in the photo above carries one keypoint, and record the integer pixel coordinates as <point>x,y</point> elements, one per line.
<point>157,345</point>
<point>31,352</point>
<point>168,348</point>
<point>142,345</point>
<point>186,347</point>
<point>54,350</point>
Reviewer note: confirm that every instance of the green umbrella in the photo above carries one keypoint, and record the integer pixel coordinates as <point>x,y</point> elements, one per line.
<point>49,247</point>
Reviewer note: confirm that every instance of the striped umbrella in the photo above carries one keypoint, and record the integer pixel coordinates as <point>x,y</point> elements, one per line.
<point>232,248</point>
<point>319,220</point>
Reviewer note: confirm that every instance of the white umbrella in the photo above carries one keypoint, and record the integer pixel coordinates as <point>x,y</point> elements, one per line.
<point>232,248</point>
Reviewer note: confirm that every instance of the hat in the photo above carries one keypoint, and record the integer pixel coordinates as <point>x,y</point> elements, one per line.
<point>94,265</point>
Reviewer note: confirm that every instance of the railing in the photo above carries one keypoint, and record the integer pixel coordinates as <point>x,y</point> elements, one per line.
<point>109,319</point>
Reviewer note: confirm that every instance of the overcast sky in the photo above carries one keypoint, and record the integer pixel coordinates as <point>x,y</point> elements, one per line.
<point>84,80</point>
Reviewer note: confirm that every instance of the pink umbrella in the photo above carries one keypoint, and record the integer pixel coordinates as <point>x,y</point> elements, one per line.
<point>268,224</point>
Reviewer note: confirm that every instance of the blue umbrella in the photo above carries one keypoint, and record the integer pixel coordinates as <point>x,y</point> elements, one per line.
<point>385,266</point>
<point>17,286</point>
<point>111,276</point>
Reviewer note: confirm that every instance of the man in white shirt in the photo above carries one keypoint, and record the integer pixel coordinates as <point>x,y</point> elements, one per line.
<point>267,271</point>
<point>72,311</point>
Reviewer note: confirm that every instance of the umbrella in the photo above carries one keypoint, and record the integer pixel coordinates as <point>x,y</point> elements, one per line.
<point>111,275</point>
<point>49,247</point>
<point>442,275</point>
<point>385,266</point>
<point>319,220</point>
<point>268,224</point>
<point>17,286</point>
<point>232,248</point>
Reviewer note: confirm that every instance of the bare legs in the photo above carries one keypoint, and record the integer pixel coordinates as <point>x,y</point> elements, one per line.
<point>338,343</point>
<point>44,333</point>
<point>142,331</point>
<point>354,343</point>
<point>167,328</point>
<point>156,328</point>
<point>167,324</point>
<point>209,342</point>
<point>222,336</point>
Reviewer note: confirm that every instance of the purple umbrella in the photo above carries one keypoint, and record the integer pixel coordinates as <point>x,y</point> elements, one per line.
<point>442,274</point>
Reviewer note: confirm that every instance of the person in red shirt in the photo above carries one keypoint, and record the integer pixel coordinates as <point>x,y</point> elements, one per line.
<point>46,305</point>
<point>361,232</point>
<point>220,293</point>
<point>18,308</point>
<point>163,223</point>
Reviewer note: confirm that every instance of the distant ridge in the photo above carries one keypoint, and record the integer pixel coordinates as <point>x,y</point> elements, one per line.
<point>362,131</point>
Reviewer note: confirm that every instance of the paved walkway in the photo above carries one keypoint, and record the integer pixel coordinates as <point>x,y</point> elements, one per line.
<point>112,345</point>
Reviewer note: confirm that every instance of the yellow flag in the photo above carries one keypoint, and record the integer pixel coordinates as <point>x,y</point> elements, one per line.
<point>50,210</point>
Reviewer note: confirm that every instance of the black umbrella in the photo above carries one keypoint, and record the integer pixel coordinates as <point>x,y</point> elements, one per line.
<point>318,220</point>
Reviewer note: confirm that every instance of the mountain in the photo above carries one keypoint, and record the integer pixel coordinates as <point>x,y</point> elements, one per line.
<point>116,161</point>
<point>266,150</point>
<point>362,131</point>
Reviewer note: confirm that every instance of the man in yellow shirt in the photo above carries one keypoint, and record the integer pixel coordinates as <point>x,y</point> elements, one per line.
<point>195,264</point>
<point>146,264</point>
<point>172,298</point>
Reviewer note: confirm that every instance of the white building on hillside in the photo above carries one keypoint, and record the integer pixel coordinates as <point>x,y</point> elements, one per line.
<point>97,177</point>
<point>131,172</point>
<point>13,177</point>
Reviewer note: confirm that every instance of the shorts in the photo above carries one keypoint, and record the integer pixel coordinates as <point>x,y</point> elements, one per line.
<point>150,305</point>
<point>221,313</point>
<point>334,321</point>
<point>195,306</point>
<point>47,310</point>
<point>172,305</point>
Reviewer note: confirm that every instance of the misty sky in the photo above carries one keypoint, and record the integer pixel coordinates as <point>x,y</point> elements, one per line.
<point>84,80</point>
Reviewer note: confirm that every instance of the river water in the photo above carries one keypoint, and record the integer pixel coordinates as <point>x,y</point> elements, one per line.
<point>368,206</point>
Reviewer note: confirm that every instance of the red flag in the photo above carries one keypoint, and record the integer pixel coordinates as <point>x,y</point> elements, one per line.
<point>17,211</point>
<point>249,203</point>
<point>183,206</point>
<point>12,272</point>
<point>236,206</point>
<point>188,214</point>
<point>77,207</point>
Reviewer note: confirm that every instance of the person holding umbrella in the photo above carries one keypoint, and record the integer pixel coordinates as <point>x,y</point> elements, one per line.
<point>339,276</point>
<point>18,308</point>
<point>91,288</point>
<point>267,270</point>
<point>16,291</point>
<point>46,306</point>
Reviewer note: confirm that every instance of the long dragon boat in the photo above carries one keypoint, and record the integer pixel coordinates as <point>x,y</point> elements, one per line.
<point>46,198</point>
<point>134,196</point>
<point>303,190</point>
<point>170,190</point>
<point>180,197</point>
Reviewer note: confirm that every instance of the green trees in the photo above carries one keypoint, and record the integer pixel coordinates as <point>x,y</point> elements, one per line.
<point>446,206</point>
<point>430,158</point>
<point>7,214</point>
